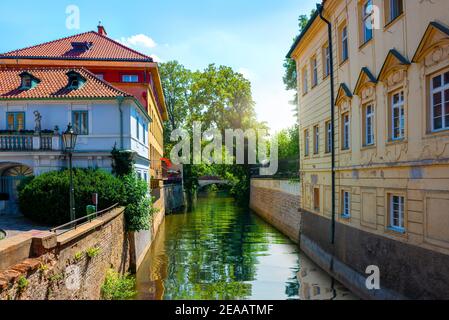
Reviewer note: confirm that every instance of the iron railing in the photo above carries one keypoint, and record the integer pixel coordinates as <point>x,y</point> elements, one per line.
<point>72,225</point>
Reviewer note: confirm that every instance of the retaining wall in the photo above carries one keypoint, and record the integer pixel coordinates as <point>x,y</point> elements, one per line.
<point>277,201</point>
<point>70,266</point>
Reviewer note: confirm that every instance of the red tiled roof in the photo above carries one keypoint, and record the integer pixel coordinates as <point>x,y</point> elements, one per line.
<point>53,85</point>
<point>101,48</point>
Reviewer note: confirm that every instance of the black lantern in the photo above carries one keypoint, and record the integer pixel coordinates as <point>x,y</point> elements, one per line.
<point>69,139</point>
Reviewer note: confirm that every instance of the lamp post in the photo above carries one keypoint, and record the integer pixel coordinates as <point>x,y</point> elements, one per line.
<point>69,139</point>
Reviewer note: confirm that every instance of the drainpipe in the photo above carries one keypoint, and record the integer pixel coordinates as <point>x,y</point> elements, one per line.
<point>332,80</point>
<point>120,100</point>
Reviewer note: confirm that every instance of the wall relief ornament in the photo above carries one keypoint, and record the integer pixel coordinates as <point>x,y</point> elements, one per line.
<point>438,55</point>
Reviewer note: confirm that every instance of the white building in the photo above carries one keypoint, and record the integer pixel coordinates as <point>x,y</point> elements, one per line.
<point>36,106</point>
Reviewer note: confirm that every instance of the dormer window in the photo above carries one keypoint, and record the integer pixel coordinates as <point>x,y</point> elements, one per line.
<point>81,46</point>
<point>76,80</point>
<point>28,81</point>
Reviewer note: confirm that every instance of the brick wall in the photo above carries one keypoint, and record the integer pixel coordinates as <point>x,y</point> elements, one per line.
<point>277,201</point>
<point>60,268</point>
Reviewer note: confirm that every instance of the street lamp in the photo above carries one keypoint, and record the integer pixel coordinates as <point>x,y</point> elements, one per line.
<point>69,141</point>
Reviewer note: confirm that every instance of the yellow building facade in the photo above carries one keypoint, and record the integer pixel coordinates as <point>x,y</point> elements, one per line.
<point>391,139</point>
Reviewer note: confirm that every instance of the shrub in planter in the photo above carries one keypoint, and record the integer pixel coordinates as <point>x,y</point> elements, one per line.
<point>139,205</point>
<point>45,199</point>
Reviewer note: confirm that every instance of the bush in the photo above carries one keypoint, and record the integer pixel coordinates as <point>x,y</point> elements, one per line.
<point>45,199</point>
<point>139,205</point>
<point>117,287</point>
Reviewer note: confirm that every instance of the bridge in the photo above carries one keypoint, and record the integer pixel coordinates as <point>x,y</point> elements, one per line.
<point>210,180</point>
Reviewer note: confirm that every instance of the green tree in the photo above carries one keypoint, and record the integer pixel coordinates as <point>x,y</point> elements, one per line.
<point>290,74</point>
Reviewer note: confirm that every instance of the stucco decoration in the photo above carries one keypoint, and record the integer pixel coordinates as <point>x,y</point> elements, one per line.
<point>396,153</point>
<point>437,56</point>
<point>344,96</point>
<point>435,150</point>
<point>394,69</point>
<point>434,46</point>
<point>365,87</point>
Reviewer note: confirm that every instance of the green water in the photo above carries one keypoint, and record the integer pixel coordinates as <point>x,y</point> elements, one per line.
<point>221,251</point>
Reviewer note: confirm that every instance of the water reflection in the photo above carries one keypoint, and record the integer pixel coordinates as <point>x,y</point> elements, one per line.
<point>220,251</point>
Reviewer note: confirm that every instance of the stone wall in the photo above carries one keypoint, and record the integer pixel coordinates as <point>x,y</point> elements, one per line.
<point>277,201</point>
<point>406,271</point>
<point>69,266</point>
<point>141,242</point>
<point>174,197</point>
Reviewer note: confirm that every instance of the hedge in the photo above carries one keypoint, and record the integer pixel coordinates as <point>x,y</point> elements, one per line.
<point>45,199</point>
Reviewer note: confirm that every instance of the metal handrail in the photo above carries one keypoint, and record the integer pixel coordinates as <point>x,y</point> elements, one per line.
<point>75,223</point>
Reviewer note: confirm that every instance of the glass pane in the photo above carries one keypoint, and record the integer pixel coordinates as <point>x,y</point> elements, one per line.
<point>10,122</point>
<point>20,119</point>
<point>438,123</point>
<point>437,82</point>
<point>437,98</point>
<point>437,111</point>
<point>446,78</point>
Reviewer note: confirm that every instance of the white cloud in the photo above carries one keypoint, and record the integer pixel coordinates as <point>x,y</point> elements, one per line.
<point>139,41</point>
<point>156,58</point>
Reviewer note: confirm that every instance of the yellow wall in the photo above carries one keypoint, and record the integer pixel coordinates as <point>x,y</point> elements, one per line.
<point>417,167</point>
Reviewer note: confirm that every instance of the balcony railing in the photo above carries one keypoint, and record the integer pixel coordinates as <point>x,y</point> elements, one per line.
<point>16,142</point>
<point>24,142</point>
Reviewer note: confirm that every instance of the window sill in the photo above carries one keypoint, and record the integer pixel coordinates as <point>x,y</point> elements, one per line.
<point>365,44</point>
<point>342,63</point>
<point>392,22</point>
<point>436,134</point>
<point>368,147</point>
<point>345,217</point>
<point>344,151</point>
<point>392,142</point>
<point>397,230</point>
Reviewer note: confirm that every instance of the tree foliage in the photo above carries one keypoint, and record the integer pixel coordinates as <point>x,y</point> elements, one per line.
<point>290,74</point>
<point>220,98</point>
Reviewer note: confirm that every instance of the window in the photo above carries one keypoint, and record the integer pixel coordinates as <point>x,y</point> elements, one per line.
<point>144,135</point>
<point>15,121</point>
<point>396,212</point>
<point>80,122</point>
<point>328,137</point>
<point>316,199</point>
<point>138,128</point>
<point>440,102</point>
<point>346,131</point>
<point>26,82</point>
<point>344,52</point>
<point>130,78</point>
<point>346,204</point>
<point>314,72</point>
<point>316,139</point>
<point>327,61</point>
<point>306,143</point>
<point>397,116</point>
<point>393,9</point>
<point>100,76</point>
<point>367,20</point>
<point>305,87</point>
<point>369,125</point>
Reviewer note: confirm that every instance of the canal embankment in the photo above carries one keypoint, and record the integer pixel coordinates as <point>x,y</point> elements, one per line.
<point>42,265</point>
<point>277,201</point>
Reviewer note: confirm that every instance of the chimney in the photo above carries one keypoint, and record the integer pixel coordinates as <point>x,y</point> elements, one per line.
<point>101,30</point>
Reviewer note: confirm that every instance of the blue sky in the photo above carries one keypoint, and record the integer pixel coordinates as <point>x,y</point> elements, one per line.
<point>252,36</point>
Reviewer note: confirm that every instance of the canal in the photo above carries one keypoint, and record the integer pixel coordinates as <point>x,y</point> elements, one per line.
<point>221,251</point>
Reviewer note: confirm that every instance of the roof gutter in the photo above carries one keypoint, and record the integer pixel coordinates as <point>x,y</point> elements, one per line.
<point>320,10</point>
